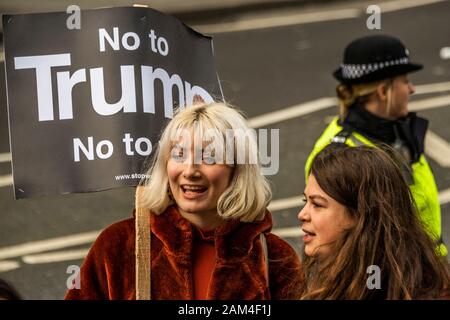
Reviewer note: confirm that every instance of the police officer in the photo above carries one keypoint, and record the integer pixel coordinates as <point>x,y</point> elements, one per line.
<point>373,98</point>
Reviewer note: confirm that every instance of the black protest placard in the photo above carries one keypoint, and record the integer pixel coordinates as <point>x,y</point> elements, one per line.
<point>86,105</point>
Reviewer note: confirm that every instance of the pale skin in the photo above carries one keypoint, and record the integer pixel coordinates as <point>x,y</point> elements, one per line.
<point>196,188</point>
<point>323,220</point>
<point>400,90</point>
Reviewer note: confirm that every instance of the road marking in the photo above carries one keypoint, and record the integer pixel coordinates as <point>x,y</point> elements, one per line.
<point>405,4</point>
<point>59,256</point>
<point>286,203</point>
<point>291,232</point>
<point>308,107</point>
<point>5,157</point>
<point>278,21</point>
<point>292,112</point>
<point>283,20</point>
<point>432,88</point>
<point>6,180</point>
<point>438,149</point>
<point>444,196</point>
<point>8,265</point>
<point>445,53</point>
<point>429,103</point>
<point>47,245</point>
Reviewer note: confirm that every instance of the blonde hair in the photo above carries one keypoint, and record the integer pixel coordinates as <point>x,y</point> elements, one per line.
<point>348,94</point>
<point>248,194</point>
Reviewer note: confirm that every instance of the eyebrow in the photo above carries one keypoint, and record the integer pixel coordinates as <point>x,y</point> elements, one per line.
<point>183,145</point>
<point>315,196</point>
<point>176,146</point>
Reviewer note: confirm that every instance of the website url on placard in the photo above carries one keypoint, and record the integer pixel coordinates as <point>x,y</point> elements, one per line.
<point>131,176</point>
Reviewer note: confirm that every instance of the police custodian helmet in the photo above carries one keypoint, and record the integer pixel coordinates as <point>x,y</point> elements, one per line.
<point>373,58</point>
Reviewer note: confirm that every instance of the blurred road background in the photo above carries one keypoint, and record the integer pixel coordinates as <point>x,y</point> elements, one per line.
<point>274,59</point>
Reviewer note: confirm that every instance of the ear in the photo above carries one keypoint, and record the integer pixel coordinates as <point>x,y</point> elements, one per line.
<point>382,91</point>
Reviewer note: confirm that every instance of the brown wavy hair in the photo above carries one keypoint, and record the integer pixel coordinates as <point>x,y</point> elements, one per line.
<point>387,233</point>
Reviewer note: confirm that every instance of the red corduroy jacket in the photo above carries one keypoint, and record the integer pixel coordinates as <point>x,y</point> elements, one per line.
<point>108,271</point>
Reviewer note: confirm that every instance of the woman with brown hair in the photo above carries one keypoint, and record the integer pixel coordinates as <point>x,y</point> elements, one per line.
<point>360,216</point>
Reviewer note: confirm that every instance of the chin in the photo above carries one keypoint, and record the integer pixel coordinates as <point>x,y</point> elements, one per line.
<point>193,209</point>
<point>308,251</point>
<point>403,113</point>
<point>190,209</point>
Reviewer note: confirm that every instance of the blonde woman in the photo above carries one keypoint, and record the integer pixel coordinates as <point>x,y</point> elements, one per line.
<point>210,229</point>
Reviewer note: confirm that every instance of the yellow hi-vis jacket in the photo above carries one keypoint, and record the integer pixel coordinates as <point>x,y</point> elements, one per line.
<point>424,189</point>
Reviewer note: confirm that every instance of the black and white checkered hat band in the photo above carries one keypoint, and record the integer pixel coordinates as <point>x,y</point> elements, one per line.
<point>355,71</point>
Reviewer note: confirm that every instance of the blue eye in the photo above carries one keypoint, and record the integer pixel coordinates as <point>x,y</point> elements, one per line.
<point>208,158</point>
<point>177,154</point>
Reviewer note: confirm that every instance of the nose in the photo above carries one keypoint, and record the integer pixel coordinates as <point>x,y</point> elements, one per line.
<point>412,88</point>
<point>303,214</point>
<point>191,169</point>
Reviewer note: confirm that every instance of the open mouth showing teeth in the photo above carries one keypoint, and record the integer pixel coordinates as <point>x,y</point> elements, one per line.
<point>193,189</point>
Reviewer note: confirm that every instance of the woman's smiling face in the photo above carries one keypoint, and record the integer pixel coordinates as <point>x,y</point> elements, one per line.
<point>196,187</point>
